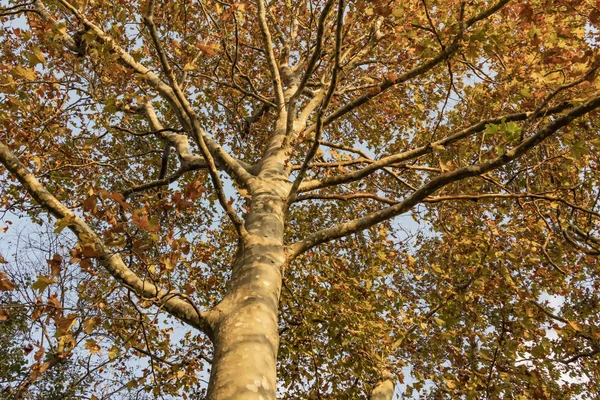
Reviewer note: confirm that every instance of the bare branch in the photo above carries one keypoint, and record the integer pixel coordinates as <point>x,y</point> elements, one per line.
<point>268,47</point>
<point>332,86</point>
<point>345,197</point>
<point>164,181</point>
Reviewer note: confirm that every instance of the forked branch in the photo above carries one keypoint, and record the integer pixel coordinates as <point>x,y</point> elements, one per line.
<point>420,151</point>
<point>442,180</point>
<point>171,302</point>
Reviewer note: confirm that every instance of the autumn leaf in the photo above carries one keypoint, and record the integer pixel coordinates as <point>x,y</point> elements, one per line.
<point>244,193</point>
<point>113,353</point>
<point>42,283</point>
<point>5,283</point>
<point>90,250</point>
<point>90,324</point>
<point>64,324</point>
<point>117,197</point>
<point>24,73</point>
<point>141,220</point>
<point>89,204</point>
<point>55,264</point>
<point>92,346</point>
<point>28,348</point>
<point>210,49</point>
<point>39,353</point>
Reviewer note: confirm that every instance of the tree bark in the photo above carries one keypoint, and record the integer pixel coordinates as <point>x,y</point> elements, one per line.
<point>384,389</point>
<point>246,337</point>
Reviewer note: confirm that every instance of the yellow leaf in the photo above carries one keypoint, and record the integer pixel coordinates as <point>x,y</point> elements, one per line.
<point>437,146</point>
<point>93,347</point>
<point>244,193</point>
<point>42,283</point>
<point>66,343</point>
<point>24,73</point>
<point>575,326</point>
<point>90,324</point>
<point>113,353</point>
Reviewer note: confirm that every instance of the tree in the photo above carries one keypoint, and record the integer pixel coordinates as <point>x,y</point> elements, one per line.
<point>243,168</point>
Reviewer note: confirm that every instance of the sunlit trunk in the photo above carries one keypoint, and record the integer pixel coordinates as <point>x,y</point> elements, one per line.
<point>246,337</point>
<point>384,389</point>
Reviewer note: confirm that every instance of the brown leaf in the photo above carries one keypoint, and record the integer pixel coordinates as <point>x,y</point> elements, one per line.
<point>54,302</point>
<point>55,264</point>
<point>89,250</point>
<point>5,283</point>
<point>64,325</point>
<point>116,196</point>
<point>28,348</point>
<point>40,353</point>
<point>194,190</point>
<point>141,220</point>
<point>595,16</point>
<point>89,204</point>
<point>210,49</point>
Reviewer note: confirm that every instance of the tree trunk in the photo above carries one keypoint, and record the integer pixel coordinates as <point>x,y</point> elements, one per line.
<point>246,337</point>
<point>384,389</point>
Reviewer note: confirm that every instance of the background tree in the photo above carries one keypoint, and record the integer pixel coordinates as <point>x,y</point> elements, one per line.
<point>242,168</point>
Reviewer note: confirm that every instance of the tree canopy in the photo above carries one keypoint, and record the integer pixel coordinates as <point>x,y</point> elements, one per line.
<point>328,199</point>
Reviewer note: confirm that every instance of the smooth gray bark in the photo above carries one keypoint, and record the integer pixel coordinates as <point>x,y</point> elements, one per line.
<point>384,389</point>
<point>246,337</point>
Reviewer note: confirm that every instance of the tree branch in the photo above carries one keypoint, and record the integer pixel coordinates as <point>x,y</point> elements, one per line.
<point>316,55</point>
<point>268,47</point>
<point>442,180</point>
<point>173,96</point>
<point>384,389</point>
<point>113,263</point>
<point>419,151</point>
<point>419,70</point>
<point>332,85</point>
